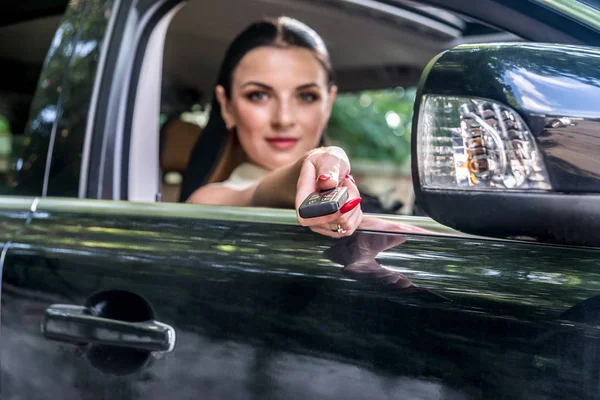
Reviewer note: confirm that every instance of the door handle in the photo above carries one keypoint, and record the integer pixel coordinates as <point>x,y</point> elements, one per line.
<point>76,324</point>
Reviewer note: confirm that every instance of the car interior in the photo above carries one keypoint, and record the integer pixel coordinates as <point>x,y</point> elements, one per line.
<point>374,47</point>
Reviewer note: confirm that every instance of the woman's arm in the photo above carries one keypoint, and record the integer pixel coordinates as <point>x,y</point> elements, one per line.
<point>320,169</point>
<point>279,187</point>
<point>217,194</point>
<point>276,189</point>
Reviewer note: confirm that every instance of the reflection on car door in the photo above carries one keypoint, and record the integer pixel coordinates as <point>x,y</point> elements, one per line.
<point>271,310</point>
<point>14,215</point>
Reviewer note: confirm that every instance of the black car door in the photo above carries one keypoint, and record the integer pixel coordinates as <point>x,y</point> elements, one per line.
<point>129,301</point>
<point>262,308</point>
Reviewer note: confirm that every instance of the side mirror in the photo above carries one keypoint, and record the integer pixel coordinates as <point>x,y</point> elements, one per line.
<point>506,141</point>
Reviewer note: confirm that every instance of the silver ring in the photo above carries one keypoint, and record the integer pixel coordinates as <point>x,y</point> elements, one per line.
<point>338,229</point>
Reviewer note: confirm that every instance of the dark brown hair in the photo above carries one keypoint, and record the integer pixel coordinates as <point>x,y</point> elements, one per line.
<point>281,32</point>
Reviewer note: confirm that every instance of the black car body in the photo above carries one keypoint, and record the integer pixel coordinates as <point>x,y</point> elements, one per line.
<point>108,293</point>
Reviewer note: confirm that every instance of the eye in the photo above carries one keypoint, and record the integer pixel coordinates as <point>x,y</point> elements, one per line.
<point>257,96</point>
<point>309,97</point>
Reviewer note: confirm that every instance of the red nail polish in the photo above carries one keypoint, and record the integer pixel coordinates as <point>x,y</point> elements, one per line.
<point>350,205</point>
<point>324,177</point>
<point>348,176</point>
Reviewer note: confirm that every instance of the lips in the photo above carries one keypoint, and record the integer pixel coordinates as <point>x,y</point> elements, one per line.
<point>282,143</point>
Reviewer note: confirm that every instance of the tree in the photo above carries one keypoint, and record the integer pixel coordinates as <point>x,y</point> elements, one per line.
<point>374,125</point>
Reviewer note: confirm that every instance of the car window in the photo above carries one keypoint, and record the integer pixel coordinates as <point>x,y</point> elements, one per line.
<point>23,47</point>
<point>372,126</point>
<point>371,118</point>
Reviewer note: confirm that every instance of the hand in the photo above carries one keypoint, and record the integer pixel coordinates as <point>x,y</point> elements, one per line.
<point>327,168</point>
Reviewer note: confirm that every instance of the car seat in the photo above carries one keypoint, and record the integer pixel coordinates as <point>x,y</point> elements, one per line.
<point>177,140</point>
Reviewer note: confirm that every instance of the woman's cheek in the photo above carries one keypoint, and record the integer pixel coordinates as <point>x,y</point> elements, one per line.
<point>313,123</point>
<point>252,116</point>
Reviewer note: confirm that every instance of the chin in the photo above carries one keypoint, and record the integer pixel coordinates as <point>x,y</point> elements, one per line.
<point>277,161</point>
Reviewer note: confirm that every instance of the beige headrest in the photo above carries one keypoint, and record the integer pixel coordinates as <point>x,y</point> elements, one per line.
<point>179,140</point>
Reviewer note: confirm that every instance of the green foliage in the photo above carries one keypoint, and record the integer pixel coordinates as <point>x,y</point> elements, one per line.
<point>4,125</point>
<point>374,125</point>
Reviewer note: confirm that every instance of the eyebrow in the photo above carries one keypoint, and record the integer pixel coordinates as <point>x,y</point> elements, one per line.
<point>301,87</point>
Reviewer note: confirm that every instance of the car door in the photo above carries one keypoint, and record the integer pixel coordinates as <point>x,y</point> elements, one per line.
<point>122,300</point>
<point>126,300</point>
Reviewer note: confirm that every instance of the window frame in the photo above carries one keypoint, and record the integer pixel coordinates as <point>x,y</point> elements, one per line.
<point>131,134</point>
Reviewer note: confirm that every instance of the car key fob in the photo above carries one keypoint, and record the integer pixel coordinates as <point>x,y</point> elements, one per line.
<point>324,202</point>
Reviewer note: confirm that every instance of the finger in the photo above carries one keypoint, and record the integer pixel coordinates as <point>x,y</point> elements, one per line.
<point>332,168</point>
<point>350,221</point>
<point>306,183</point>
<point>306,186</point>
<point>355,220</point>
<point>328,172</point>
<point>349,184</point>
<point>348,224</point>
<point>349,178</point>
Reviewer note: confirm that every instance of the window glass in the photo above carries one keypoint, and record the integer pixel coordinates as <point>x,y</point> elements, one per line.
<point>23,47</point>
<point>83,40</point>
<point>65,51</point>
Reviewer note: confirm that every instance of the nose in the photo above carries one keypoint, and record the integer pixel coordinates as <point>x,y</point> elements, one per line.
<point>283,115</point>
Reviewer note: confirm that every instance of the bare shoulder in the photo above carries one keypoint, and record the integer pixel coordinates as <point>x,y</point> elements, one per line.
<point>218,194</point>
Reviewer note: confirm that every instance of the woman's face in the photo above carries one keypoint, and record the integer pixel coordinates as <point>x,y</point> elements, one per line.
<point>279,104</point>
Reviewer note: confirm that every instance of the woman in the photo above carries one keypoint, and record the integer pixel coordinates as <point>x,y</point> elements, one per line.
<point>273,98</point>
